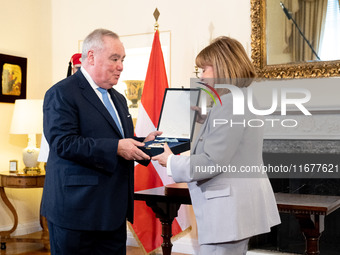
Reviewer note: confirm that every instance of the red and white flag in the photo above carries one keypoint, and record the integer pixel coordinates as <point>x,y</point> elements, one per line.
<point>146,227</point>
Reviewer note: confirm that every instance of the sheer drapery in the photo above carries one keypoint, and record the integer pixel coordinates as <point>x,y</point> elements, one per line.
<point>311,18</point>
<point>293,7</point>
<point>330,38</point>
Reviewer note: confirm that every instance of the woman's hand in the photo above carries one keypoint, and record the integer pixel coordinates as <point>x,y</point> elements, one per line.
<point>163,158</point>
<point>152,136</point>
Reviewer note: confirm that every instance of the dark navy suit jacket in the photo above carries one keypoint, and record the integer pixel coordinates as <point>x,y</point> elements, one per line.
<point>87,186</point>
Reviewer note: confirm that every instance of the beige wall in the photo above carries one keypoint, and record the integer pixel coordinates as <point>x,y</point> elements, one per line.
<point>192,24</point>
<point>25,31</point>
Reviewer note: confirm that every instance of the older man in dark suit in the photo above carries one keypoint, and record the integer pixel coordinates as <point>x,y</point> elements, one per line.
<point>88,193</point>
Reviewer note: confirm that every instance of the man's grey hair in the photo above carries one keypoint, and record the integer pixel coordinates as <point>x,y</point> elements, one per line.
<point>95,40</point>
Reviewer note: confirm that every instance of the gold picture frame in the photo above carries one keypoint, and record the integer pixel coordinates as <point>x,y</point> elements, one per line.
<point>314,69</point>
<point>13,71</point>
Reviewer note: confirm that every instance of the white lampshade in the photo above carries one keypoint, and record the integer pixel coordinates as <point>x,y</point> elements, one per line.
<point>27,117</point>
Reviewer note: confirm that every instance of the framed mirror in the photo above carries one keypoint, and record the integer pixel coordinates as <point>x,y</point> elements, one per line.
<point>279,50</point>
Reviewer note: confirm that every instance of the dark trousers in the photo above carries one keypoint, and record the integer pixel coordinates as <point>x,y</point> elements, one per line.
<point>77,242</point>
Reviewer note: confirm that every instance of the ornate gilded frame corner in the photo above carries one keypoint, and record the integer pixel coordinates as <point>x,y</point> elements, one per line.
<point>315,69</point>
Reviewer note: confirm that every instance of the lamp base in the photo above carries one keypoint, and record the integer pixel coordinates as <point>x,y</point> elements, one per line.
<point>32,170</point>
<point>30,157</point>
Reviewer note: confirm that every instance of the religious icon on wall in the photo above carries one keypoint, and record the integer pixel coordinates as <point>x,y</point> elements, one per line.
<point>13,78</point>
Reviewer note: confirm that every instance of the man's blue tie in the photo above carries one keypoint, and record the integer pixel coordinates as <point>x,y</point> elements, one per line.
<point>109,107</point>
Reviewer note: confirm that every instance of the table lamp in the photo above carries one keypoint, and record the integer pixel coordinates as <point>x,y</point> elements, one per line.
<point>28,119</point>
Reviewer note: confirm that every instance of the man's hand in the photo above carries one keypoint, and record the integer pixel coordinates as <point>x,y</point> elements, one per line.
<point>127,148</point>
<point>163,158</point>
<point>152,136</point>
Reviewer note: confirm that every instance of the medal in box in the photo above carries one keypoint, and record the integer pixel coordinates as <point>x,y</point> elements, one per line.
<point>176,121</point>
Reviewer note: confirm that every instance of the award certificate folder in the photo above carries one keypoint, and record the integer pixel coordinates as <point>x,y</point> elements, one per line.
<point>176,121</point>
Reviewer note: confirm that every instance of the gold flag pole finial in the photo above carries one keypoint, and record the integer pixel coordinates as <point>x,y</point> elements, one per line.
<point>156,15</point>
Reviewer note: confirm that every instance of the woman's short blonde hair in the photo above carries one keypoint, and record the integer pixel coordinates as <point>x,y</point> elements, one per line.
<point>229,61</point>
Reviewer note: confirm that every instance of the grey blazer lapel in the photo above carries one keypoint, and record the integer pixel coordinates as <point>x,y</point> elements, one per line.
<point>200,133</point>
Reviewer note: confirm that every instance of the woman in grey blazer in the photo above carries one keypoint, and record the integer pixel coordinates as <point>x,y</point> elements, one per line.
<point>232,199</point>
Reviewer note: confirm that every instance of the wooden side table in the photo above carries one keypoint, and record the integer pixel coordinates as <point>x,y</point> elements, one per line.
<point>165,203</point>
<point>21,181</point>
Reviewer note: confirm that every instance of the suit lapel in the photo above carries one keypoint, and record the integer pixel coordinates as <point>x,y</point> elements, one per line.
<point>93,99</point>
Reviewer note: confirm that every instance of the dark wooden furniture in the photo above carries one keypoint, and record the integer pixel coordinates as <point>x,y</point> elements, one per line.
<point>21,181</point>
<point>165,202</point>
<point>307,210</point>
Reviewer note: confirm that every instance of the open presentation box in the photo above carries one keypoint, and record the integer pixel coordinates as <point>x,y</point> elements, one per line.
<point>176,121</point>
